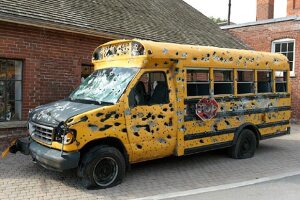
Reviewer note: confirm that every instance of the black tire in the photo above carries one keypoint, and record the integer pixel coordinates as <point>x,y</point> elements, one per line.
<point>102,167</point>
<point>245,146</point>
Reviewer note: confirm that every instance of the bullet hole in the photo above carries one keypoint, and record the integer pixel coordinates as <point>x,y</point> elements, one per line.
<point>267,63</point>
<point>230,59</point>
<point>152,131</point>
<point>194,59</point>
<point>165,109</point>
<point>216,127</point>
<point>172,109</point>
<point>161,116</point>
<point>240,57</point>
<point>169,136</point>
<point>165,63</point>
<point>161,140</point>
<point>168,71</point>
<point>124,130</point>
<point>117,124</point>
<point>170,105</point>
<point>147,127</point>
<point>176,70</point>
<point>133,116</point>
<point>149,52</point>
<point>157,129</point>
<point>201,141</point>
<point>208,55</point>
<point>117,116</point>
<point>222,108</point>
<point>177,53</point>
<point>148,115</point>
<point>107,116</point>
<point>84,119</point>
<point>139,146</point>
<point>136,134</point>
<point>155,64</point>
<point>221,59</point>
<point>105,127</point>
<point>93,127</point>
<point>227,122</point>
<point>153,117</point>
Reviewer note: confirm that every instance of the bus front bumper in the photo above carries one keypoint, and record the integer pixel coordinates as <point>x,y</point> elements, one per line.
<point>48,158</point>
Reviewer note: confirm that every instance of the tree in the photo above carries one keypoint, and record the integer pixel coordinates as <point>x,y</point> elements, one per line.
<point>217,20</point>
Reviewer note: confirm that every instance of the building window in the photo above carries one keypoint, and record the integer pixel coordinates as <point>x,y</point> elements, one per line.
<point>86,70</point>
<point>287,48</point>
<point>10,89</point>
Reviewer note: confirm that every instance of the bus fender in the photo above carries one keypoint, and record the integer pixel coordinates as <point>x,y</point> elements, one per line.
<point>249,126</point>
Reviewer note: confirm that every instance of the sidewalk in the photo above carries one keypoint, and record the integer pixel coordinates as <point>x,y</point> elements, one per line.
<point>22,179</point>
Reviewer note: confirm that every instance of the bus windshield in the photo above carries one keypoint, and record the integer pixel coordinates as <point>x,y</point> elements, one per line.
<point>104,86</point>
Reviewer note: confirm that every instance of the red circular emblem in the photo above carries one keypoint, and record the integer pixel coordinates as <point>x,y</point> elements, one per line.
<point>206,108</point>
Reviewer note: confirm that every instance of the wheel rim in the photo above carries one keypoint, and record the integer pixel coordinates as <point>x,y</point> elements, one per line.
<point>105,171</point>
<point>246,146</point>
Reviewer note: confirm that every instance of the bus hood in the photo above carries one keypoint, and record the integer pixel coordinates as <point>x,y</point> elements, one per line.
<point>53,113</point>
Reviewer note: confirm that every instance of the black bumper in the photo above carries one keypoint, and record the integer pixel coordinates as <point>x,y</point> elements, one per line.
<point>49,158</point>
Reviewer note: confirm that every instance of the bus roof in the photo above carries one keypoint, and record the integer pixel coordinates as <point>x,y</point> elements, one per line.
<point>192,55</point>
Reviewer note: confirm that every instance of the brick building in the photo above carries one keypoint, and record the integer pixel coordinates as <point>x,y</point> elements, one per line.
<point>281,35</point>
<point>46,46</point>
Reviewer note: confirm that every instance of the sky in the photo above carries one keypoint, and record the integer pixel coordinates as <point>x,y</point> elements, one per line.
<point>242,11</point>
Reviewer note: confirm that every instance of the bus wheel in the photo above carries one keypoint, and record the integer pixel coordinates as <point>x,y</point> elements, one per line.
<point>245,146</point>
<point>103,167</point>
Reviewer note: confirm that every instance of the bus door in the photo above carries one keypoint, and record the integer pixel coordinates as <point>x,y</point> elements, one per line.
<point>150,116</point>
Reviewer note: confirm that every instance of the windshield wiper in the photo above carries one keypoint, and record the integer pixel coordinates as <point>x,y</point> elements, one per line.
<point>106,103</point>
<point>87,101</point>
<point>90,101</point>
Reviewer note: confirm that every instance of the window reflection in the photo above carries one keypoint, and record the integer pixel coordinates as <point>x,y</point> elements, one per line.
<point>10,89</point>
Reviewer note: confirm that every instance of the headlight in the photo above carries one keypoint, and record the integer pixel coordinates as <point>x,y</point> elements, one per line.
<point>68,138</point>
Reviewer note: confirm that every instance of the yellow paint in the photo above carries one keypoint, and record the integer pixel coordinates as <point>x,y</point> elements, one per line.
<point>6,151</point>
<point>146,138</point>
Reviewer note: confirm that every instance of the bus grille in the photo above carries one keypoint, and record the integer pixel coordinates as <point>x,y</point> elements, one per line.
<point>42,133</point>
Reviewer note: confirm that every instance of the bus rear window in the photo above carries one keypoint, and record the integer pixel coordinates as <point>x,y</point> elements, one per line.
<point>264,81</point>
<point>281,81</point>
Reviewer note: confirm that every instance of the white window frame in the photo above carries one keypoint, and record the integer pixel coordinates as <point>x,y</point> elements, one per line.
<point>292,73</point>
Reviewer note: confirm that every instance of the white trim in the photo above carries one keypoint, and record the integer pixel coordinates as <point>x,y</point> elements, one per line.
<point>292,73</point>
<point>219,187</point>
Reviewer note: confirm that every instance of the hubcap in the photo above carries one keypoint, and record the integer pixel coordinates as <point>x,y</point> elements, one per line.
<point>105,171</point>
<point>246,146</point>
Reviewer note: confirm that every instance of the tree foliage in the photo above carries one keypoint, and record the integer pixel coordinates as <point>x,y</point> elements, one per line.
<point>217,20</point>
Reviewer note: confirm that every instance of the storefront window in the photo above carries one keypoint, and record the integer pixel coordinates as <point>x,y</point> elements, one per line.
<point>10,89</point>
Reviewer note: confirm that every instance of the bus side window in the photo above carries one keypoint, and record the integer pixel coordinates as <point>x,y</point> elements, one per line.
<point>223,81</point>
<point>245,82</point>
<point>197,82</point>
<point>281,80</point>
<point>151,89</point>
<point>264,81</point>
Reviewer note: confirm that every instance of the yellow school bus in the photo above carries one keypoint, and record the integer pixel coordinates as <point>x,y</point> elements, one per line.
<point>148,100</point>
